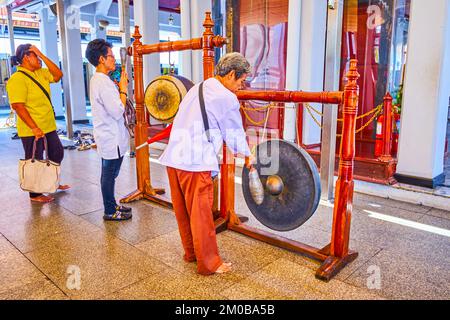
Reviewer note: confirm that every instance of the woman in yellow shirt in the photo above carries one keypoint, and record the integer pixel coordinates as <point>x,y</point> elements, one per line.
<point>34,109</point>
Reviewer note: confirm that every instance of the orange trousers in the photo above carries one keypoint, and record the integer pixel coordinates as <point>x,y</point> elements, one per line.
<point>192,199</point>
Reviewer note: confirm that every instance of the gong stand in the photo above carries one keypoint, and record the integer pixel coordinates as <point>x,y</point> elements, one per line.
<point>335,255</point>
<point>207,43</point>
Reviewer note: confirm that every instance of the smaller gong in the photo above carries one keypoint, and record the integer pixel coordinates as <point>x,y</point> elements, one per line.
<point>164,94</point>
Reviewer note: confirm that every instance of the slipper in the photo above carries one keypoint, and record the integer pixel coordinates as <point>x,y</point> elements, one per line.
<point>42,199</point>
<point>84,147</point>
<point>63,187</point>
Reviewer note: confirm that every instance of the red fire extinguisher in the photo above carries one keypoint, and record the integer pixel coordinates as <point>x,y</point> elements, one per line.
<point>379,136</point>
<point>395,134</point>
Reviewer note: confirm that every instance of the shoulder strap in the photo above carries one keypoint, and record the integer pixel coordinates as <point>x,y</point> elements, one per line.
<point>203,109</point>
<point>40,86</point>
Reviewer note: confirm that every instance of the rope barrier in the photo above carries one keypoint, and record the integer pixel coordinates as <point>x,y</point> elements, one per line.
<point>310,109</point>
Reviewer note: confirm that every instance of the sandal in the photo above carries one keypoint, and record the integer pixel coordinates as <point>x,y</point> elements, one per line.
<point>123,209</point>
<point>63,187</point>
<point>117,216</point>
<point>42,199</point>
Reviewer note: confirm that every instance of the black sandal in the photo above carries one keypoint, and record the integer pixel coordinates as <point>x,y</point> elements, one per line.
<point>117,216</point>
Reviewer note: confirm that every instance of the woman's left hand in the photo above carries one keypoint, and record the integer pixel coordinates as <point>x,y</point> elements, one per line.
<point>36,51</point>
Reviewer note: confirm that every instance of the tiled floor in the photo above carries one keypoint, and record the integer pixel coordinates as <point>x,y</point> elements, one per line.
<point>65,250</point>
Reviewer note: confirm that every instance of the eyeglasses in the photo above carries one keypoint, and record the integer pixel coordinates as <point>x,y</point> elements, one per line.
<point>30,53</point>
<point>110,55</point>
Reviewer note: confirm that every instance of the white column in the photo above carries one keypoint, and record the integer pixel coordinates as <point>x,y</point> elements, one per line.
<point>12,45</point>
<point>75,63</point>
<point>198,9</point>
<point>146,15</point>
<point>49,46</point>
<point>186,56</point>
<point>292,67</point>
<point>98,32</point>
<point>426,95</point>
<point>312,59</point>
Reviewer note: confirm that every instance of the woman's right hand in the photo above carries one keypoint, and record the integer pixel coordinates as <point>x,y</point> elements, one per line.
<point>123,84</point>
<point>38,133</point>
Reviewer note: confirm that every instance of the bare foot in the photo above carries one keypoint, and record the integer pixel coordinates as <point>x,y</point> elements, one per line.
<point>224,267</point>
<point>42,199</point>
<point>63,187</point>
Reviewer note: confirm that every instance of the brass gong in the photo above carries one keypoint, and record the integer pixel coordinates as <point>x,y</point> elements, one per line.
<point>164,94</point>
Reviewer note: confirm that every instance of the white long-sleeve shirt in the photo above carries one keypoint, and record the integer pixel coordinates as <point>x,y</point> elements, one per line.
<point>189,148</point>
<point>110,133</point>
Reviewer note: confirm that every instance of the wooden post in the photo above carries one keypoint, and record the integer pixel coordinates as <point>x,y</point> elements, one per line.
<point>208,48</point>
<point>141,134</point>
<point>144,188</point>
<point>338,250</point>
<point>344,186</point>
<point>208,72</point>
<point>387,129</point>
<point>138,50</point>
<point>141,126</point>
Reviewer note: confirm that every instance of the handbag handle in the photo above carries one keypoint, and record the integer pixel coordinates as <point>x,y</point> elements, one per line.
<point>45,147</point>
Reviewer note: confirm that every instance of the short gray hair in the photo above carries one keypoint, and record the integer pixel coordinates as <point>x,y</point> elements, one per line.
<point>232,61</point>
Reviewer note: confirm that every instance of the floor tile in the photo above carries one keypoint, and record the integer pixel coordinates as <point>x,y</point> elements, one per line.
<point>407,278</point>
<point>147,222</point>
<point>102,263</point>
<point>30,231</point>
<point>17,271</point>
<point>171,285</point>
<point>40,290</point>
<point>284,280</point>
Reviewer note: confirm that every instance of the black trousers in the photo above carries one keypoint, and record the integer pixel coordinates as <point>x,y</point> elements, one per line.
<point>55,150</point>
<point>110,171</point>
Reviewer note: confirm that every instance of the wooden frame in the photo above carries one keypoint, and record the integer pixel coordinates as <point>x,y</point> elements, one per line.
<point>207,43</point>
<point>335,255</point>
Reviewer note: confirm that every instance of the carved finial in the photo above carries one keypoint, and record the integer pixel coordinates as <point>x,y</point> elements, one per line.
<point>352,74</point>
<point>137,35</point>
<point>208,23</point>
<point>388,96</point>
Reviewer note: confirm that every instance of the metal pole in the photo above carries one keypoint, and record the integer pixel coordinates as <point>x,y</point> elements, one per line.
<point>124,24</point>
<point>330,112</point>
<point>65,66</point>
<point>124,20</point>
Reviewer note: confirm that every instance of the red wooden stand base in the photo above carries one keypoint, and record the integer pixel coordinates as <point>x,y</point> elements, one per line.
<point>330,266</point>
<point>151,195</point>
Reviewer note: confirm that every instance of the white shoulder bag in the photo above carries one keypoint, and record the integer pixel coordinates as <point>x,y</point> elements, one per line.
<point>39,176</point>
